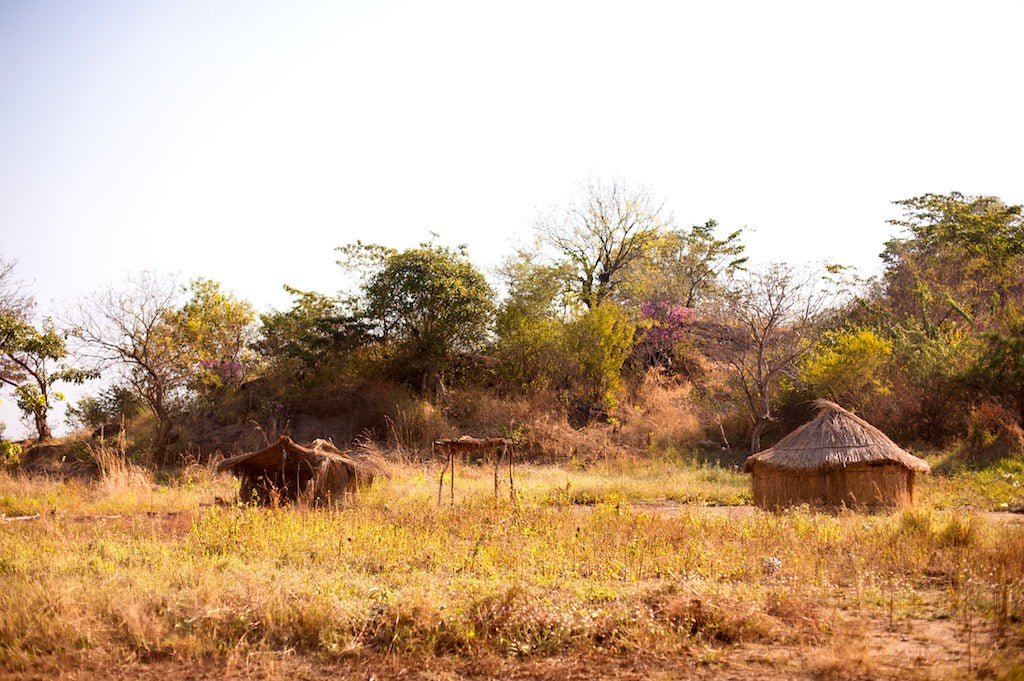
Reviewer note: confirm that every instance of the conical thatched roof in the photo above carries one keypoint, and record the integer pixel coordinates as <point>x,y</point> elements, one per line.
<point>835,438</point>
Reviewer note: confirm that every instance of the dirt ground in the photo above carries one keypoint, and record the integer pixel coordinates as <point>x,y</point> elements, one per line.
<point>863,649</point>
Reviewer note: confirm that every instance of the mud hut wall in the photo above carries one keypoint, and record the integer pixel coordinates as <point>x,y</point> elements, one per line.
<point>889,485</point>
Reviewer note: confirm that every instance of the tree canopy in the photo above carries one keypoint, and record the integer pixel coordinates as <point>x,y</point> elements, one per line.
<point>426,305</point>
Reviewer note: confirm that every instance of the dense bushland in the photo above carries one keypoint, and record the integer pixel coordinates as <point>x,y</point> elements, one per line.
<point>616,331</point>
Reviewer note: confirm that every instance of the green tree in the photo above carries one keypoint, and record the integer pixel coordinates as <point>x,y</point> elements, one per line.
<point>306,339</point>
<point>949,279</point>
<point>530,323</point>
<point>113,404</point>
<point>27,364</point>
<point>599,341</point>
<point>962,261</point>
<point>686,266</point>
<point>999,370</point>
<point>427,305</point>
<point>849,366</point>
<point>217,328</point>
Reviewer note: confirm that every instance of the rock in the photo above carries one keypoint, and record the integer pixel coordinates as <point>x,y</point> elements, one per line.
<point>771,565</point>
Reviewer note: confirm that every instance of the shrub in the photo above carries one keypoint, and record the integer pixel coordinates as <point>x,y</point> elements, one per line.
<point>10,453</point>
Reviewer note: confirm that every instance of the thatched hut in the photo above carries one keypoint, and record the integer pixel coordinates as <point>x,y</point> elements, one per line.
<point>836,459</point>
<point>286,472</point>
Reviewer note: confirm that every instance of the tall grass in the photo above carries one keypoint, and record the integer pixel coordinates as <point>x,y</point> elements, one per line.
<point>579,566</point>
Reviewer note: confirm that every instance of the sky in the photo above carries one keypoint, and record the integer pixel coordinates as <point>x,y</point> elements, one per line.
<point>243,141</point>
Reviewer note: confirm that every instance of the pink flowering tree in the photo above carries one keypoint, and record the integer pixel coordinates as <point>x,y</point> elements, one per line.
<point>664,325</point>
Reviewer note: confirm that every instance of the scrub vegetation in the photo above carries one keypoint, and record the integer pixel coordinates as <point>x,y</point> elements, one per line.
<point>634,363</point>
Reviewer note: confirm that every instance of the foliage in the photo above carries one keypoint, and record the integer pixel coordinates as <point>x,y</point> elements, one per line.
<point>937,335</point>
<point>773,318</point>
<point>10,453</point>
<point>162,347</point>
<point>27,357</point>
<point>848,365</point>
<point>663,326</point>
<point>111,405</point>
<point>598,342</point>
<point>999,370</point>
<point>950,285</point>
<point>426,305</point>
<point>961,263</point>
<point>315,329</point>
<point>686,267</point>
<point>216,328</point>
<point>529,325</point>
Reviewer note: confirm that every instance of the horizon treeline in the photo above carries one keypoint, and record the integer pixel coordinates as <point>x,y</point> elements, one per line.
<point>610,295</point>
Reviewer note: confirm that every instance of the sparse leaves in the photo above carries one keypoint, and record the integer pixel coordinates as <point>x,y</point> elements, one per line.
<point>774,316</point>
<point>600,236</point>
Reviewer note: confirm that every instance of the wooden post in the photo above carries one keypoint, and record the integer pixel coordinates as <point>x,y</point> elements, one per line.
<point>499,453</point>
<point>440,483</point>
<point>451,457</point>
<point>511,484</point>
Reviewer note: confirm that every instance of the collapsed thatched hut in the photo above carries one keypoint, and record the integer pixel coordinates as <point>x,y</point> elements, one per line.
<point>835,459</point>
<point>287,471</point>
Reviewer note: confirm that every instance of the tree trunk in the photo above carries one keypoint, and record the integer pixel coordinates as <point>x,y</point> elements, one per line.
<point>42,426</point>
<point>755,435</point>
<point>163,439</point>
<point>164,428</point>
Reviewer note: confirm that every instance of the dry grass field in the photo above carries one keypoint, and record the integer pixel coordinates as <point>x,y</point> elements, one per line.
<point>624,569</point>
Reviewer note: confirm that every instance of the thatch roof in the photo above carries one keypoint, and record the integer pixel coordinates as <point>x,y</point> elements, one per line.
<point>835,438</point>
<point>286,453</point>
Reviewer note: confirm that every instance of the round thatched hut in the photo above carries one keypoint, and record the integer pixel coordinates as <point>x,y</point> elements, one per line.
<point>836,459</point>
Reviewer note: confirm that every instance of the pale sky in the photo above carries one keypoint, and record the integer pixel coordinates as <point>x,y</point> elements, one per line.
<point>243,141</point>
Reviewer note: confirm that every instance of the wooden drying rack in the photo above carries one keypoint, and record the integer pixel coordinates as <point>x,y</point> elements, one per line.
<point>499,446</point>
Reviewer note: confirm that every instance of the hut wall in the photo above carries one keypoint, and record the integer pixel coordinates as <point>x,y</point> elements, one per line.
<point>889,485</point>
<point>275,485</point>
<point>775,488</point>
<point>860,486</point>
<point>334,482</point>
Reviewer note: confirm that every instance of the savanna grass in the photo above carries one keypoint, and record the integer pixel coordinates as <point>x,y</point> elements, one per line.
<point>547,574</point>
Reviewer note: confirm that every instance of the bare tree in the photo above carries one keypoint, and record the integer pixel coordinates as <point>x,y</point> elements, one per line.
<point>131,329</point>
<point>774,315</point>
<point>15,306</point>
<point>609,228</point>
<point>14,300</point>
